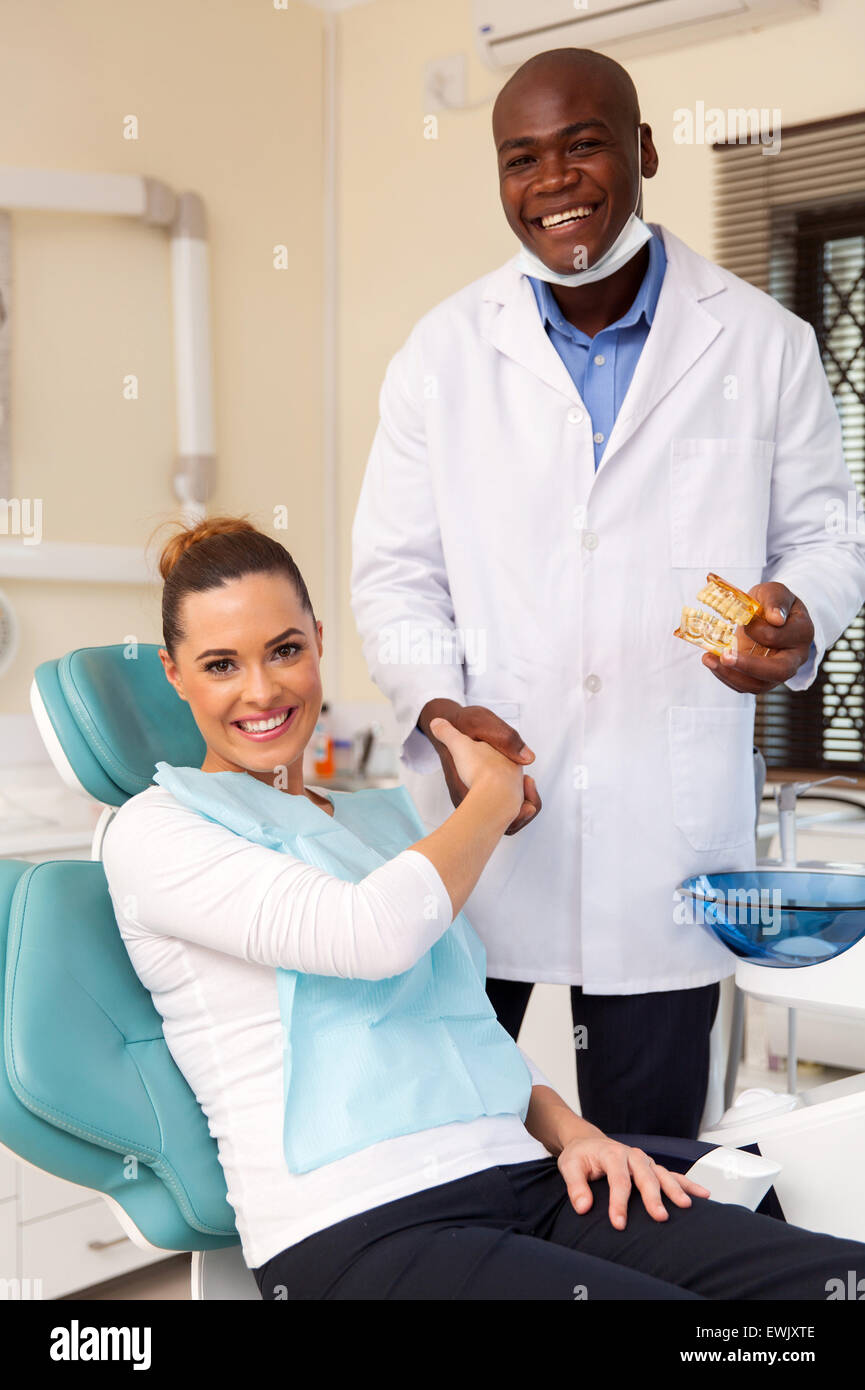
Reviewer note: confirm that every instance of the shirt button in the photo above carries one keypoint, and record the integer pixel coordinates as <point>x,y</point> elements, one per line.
<point>592,684</point>
<point>590,540</point>
<point>600,359</point>
<point>574,415</point>
<point>598,437</point>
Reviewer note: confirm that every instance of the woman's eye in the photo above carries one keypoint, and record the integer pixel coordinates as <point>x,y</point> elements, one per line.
<point>225,661</point>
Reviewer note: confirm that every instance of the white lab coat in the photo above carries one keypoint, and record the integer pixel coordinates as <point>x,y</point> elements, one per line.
<point>481,511</point>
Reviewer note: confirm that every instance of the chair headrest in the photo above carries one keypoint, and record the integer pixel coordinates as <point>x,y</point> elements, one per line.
<point>114,715</point>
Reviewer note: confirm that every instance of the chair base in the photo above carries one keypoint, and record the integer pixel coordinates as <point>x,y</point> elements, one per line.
<point>222,1274</point>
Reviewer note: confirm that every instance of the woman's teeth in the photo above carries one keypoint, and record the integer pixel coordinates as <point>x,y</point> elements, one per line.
<point>261,726</point>
<point>557,219</point>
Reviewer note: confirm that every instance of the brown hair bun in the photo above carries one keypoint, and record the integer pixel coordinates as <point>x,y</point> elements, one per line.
<point>178,544</point>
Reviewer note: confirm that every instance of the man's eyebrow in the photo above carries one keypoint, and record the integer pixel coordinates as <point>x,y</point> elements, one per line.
<point>519,141</point>
<point>230,651</point>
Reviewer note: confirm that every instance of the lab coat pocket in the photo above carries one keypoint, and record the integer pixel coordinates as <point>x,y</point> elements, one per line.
<point>719,502</point>
<point>712,768</point>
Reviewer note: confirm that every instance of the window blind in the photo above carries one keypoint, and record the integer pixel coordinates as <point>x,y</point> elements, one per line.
<point>793,224</point>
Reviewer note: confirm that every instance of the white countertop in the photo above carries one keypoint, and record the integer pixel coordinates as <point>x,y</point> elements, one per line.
<point>40,815</point>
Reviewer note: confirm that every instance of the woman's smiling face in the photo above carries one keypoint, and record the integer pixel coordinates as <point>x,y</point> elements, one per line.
<point>249,658</point>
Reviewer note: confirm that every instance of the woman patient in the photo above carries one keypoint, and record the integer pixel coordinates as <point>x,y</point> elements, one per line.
<point>481,1184</point>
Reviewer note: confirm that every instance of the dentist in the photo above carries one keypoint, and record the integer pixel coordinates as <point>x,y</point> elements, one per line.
<point>567,446</point>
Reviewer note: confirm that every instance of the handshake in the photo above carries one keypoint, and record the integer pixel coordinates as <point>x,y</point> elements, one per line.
<point>474,744</point>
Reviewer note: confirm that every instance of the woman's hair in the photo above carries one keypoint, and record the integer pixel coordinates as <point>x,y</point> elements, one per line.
<point>211,553</point>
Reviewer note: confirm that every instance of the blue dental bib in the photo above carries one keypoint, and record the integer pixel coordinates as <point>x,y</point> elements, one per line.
<point>366,1060</point>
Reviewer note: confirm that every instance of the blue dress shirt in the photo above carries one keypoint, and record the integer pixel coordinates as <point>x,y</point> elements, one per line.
<point>601,368</point>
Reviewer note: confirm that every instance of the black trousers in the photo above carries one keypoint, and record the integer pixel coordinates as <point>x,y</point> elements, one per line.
<point>642,1059</point>
<point>510,1232</point>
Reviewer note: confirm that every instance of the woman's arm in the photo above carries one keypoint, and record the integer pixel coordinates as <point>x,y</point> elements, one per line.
<point>461,846</point>
<point>173,872</point>
<point>553,1123</point>
<point>549,1119</point>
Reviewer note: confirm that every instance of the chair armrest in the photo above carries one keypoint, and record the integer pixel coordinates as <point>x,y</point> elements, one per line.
<point>734,1175</point>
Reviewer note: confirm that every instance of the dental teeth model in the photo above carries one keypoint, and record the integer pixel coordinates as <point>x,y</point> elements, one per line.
<point>716,634</point>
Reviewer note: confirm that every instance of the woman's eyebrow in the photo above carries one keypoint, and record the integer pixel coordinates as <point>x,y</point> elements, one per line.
<point>230,651</point>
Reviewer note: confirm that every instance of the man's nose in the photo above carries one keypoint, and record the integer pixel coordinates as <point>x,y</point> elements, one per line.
<point>554,169</point>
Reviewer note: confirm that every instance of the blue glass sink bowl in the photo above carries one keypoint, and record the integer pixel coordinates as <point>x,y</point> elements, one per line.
<point>779,917</point>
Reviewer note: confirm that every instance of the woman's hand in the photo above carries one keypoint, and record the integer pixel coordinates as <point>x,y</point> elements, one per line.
<point>475,759</point>
<point>583,1160</point>
<point>498,749</point>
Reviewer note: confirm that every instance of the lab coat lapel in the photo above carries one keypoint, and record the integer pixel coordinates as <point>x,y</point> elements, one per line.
<point>513,325</point>
<point>681,331</point>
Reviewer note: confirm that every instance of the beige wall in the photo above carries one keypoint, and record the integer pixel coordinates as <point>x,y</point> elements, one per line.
<point>423,218</point>
<point>228,96</point>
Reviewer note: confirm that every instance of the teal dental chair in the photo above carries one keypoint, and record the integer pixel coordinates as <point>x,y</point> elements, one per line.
<point>88,1088</point>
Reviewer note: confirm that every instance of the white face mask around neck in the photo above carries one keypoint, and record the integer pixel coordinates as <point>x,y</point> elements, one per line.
<point>633,235</point>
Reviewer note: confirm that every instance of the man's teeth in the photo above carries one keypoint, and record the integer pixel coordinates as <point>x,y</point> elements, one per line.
<point>261,726</point>
<point>557,218</point>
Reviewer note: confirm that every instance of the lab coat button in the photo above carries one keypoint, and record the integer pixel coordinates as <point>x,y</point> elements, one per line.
<point>575,415</point>
<point>598,437</point>
<point>600,359</point>
<point>592,683</point>
<point>590,540</point>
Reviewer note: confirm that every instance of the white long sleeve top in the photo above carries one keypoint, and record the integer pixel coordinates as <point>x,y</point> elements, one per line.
<point>207,918</point>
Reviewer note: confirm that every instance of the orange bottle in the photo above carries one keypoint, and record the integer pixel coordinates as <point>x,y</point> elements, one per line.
<point>323,764</point>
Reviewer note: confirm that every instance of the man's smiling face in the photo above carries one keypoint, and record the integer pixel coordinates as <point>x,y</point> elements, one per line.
<point>566,142</point>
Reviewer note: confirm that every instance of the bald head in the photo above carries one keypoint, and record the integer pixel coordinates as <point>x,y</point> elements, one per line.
<point>569,69</point>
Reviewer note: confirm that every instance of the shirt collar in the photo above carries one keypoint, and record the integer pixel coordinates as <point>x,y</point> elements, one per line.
<point>644,303</point>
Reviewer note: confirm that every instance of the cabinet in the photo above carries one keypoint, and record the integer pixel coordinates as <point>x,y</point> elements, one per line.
<point>56,1237</point>
<point>8,1247</point>
<point>84,1245</point>
<point>7,1175</point>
